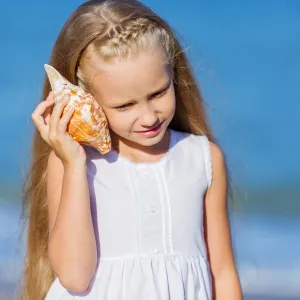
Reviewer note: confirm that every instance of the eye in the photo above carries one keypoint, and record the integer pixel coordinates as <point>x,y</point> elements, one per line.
<point>159,94</point>
<point>123,107</point>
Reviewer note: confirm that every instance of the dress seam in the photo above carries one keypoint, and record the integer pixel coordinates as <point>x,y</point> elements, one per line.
<point>170,241</point>
<point>163,210</point>
<point>178,254</point>
<point>137,207</point>
<point>207,160</point>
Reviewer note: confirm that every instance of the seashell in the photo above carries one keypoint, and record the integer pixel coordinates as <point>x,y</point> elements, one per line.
<point>88,124</point>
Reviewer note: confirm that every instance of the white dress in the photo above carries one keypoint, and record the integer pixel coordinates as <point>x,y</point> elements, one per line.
<point>148,221</point>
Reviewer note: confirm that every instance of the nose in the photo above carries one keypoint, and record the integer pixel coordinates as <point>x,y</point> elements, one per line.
<point>148,117</point>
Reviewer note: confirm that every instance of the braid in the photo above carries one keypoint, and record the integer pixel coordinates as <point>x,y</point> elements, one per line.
<point>125,33</point>
<point>127,37</point>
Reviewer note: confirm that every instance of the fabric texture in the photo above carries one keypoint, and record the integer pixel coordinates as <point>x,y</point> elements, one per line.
<point>148,222</point>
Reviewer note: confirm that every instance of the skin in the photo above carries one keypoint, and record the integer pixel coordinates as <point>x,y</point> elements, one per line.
<point>226,284</point>
<point>136,94</point>
<point>135,81</point>
<point>128,91</point>
<point>138,78</point>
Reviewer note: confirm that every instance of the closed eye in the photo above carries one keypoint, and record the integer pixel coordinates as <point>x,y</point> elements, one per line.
<point>122,107</point>
<point>158,94</point>
<point>155,95</point>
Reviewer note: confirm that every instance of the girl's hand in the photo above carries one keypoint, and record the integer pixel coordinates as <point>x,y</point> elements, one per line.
<point>52,128</point>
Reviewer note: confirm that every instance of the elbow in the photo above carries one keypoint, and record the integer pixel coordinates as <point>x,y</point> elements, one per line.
<point>73,278</point>
<point>74,284</point>
<point>77,280</point>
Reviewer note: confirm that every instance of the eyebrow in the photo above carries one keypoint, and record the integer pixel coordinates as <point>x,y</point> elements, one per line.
<point>165,87</point>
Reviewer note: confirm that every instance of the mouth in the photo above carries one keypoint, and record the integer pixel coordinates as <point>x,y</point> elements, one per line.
<point>152,129</point>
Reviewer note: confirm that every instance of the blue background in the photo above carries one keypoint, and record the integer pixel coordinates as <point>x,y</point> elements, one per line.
<point>246,58</point>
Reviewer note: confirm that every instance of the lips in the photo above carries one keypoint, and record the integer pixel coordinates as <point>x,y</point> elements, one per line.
<point>152,128</point>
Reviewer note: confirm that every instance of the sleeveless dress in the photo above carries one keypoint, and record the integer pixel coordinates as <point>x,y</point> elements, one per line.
<point>148,222</point>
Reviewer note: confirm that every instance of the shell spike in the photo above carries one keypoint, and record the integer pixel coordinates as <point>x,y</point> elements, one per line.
<point>56,79</point>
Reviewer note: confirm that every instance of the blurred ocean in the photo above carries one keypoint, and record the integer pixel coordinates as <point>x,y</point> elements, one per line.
<point>266,250</point>
<point>246,57</point>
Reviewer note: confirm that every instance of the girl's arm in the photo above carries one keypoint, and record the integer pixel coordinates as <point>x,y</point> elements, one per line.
<point>226,284</point>
<point>72,246</point>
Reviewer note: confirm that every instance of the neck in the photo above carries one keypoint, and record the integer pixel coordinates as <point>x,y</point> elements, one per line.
<point>138,152</point>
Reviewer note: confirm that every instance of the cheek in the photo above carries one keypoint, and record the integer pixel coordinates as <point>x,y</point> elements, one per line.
<point>117,121</point>
<point>170,104</point>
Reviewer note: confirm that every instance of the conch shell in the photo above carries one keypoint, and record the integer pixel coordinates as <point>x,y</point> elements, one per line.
<point>88,124</point>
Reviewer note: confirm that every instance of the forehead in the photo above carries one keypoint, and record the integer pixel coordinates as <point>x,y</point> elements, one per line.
<point>128,78</point>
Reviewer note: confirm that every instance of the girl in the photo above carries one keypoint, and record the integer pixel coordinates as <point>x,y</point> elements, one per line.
<point>148,219</point>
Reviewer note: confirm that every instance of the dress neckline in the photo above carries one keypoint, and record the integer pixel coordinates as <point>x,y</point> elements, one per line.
<point>116,156</point>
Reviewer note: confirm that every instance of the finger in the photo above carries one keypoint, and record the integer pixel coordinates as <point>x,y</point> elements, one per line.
<point>50,96</point>
<point>47,112</point>
<point>60,95</point>
<point>64,121</point>
<point>37,115</point>
<point>59,105</point>
<point>47,115</point>
<point>57,112</point>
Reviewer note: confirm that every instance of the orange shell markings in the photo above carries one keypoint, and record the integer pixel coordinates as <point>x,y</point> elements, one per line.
<point>88,124</point>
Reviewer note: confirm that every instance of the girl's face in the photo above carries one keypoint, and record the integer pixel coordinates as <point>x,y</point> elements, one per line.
<point>136,94</point>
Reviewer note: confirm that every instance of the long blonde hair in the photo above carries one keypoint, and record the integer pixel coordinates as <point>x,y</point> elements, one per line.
<point>111,28</point>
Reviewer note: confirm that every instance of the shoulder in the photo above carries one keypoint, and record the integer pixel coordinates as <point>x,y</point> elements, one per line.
<point>217,167</point>
<point>194,140</point>
<point>214,159</point>
<point>216,153</point>
<point>212,150</point>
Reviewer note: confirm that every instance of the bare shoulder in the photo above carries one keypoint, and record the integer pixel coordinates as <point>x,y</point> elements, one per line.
<point>216,152</point>
<point>217,160</point>
<point>55,172</point>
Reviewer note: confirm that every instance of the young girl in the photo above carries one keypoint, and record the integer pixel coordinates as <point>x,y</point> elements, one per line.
<point>147,220</point>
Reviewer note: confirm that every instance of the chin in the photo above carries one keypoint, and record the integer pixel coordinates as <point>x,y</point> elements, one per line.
<point>149,141</point>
